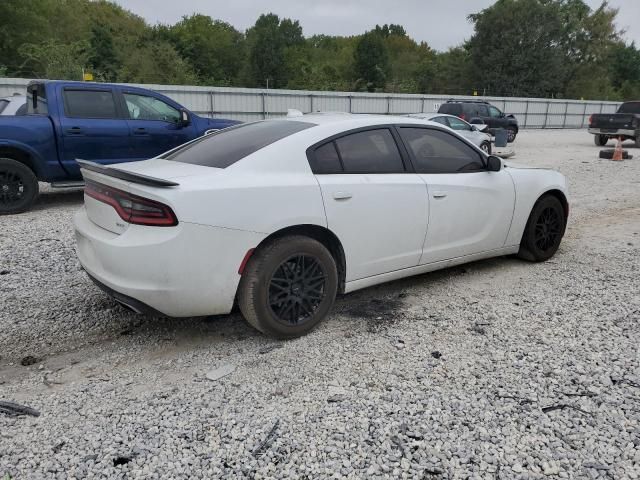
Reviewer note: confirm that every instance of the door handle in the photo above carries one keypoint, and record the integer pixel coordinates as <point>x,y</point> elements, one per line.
<point>140,131</point>
<point>439,194</point>
<point>341,195</point>
<point>75,131</point>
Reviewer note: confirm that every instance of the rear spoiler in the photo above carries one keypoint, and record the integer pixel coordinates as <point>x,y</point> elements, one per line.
<point>124,175</point>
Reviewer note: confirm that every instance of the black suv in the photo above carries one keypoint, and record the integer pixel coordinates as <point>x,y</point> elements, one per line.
<point>476,111</point>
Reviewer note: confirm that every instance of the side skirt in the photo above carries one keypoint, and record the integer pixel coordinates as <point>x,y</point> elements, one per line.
<point>429,267</point>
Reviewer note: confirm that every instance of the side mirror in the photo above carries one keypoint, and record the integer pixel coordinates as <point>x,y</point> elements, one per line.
<point>184,118</point>
<point>494,164</point>
<point>474,128</point>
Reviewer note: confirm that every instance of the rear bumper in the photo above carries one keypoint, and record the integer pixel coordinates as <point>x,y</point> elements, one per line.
<point>613,132</point>
<point>184,271</point>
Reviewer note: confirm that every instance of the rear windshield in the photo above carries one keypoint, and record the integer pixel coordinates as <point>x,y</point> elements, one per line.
<point>450,108</point>
<point>230,145</point>
<point>630,107</point>
<point>3,105</point>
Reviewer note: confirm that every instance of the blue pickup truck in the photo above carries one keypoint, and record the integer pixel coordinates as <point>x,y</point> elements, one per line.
<point>100,122</point>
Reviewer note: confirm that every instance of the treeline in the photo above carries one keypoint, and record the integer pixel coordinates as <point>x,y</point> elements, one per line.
<point>533,48</point>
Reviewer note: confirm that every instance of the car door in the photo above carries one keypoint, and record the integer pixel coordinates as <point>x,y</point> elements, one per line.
<point>92,127</point>
<point>497,117</point>
<point>470,208</point>
<point>374,205</point>
<point>154,125</point>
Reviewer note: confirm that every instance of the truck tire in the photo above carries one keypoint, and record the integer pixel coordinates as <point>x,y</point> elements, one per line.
<point>600,140</point>
<point>18,187</point>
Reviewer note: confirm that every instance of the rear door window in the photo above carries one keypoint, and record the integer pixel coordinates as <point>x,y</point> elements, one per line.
<point>630,107</point>
<point>226,147</point>
<point>450,108</point>
<point>436,151</point>
<point>89,104</point>
<point>482,110</point>
<point>370,151</point>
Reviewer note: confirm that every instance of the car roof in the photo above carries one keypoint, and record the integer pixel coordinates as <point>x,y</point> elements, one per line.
<point>357,119</point>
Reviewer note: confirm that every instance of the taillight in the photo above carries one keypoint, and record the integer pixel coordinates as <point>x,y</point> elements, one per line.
<point>462,116</point>
<point>590,119</point>
<point>132,208</point>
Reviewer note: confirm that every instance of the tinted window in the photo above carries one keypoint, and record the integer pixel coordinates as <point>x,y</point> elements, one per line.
<point>450,108</point>
<point>326,160</point>
<point>482,110</point>
<point>89,104</point>
<point>458,124</point>
<point>630,107</point>
<point>494,112</point>
<point>227,146</point>
<point>142,107</point>
<point>3,105</point>
<point>371,151</point>
<point>435,151</point>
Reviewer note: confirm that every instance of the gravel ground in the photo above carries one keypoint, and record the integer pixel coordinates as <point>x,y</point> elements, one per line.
<point>497,369</point>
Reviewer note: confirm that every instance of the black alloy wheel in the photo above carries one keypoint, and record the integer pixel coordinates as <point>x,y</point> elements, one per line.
<point>296,289</point>
<point>544,230</point>
<point>18,186</point>
<point>288,286</point>
<point>548,229</point>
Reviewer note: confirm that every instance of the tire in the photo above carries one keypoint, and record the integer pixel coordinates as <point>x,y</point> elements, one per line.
<point>511,134</point>
<point>540,242</point>
<point>600,140</point>
<point>275,299</point>
<point>18,187</point>
<point>638,139</point>
<point>486,147</point>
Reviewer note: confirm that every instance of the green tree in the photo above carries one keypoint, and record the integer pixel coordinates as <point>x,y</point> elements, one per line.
<point>52,59</point>
<point>102,54</point>
<point>268,41</point>
<point>371,62</point>
<point>214,48</point>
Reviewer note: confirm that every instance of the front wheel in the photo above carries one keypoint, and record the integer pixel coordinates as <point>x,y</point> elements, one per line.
<point>511,134</point>
<point>288,287</point>
<point>18,187</point>
<point>486,147</point>
<point>544,230</point>
<point>600,140</point>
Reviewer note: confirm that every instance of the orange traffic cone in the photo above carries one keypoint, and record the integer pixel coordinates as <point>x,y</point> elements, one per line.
<point>617,153</point>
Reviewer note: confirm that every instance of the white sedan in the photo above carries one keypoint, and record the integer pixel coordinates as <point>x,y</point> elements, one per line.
<point>16,104</point>
<point>282,215</point>
<point>474,133</point>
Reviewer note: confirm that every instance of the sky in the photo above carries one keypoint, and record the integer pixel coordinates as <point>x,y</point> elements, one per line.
<point>440,23</point>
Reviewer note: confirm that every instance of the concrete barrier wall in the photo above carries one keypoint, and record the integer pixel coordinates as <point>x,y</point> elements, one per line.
<point>248,104</point>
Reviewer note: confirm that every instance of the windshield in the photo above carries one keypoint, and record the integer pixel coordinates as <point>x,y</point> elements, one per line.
<point>227,146</point>
<point>630,107</point>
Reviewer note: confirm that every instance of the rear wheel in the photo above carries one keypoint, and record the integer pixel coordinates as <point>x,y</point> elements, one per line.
<point>600,140</point>
<point>288,287</point>
<point>18,187</point>
<point>544,230</point>
<point>511,134</point>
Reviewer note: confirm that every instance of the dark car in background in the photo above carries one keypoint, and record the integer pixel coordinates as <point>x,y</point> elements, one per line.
<point>478,111</point>
<point>625,124</point>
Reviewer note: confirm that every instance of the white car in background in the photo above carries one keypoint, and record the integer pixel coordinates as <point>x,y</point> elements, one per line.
<point>282,215</point>
<point>474,133</point>
<point>16,104</point>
